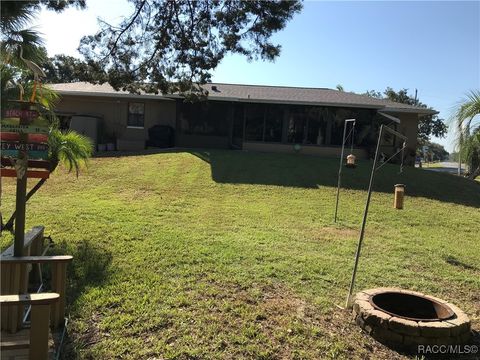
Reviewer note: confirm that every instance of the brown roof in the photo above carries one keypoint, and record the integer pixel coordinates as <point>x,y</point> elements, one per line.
<point>258,93</point>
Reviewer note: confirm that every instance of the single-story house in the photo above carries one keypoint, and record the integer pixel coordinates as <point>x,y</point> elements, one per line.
<point>249,117</point>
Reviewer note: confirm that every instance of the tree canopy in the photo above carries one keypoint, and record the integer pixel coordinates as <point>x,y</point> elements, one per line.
<point>65,69</point>
<point>173,45</point>
<point>435,151</point>
<point>428,125</point>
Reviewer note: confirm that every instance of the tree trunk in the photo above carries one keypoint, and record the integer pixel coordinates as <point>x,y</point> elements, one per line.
<point>474,173</point>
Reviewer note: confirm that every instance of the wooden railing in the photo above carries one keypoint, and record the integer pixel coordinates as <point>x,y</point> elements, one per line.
<point>15,278</point>
<point>59,274</point>
<point>40,319</point>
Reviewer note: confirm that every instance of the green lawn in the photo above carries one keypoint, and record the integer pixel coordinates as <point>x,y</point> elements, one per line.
<point>234,255</point>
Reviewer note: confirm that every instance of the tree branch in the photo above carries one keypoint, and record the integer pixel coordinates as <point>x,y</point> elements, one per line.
<point>135,16</point>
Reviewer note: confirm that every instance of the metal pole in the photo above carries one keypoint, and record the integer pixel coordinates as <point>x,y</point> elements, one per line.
<point>362,231</point>
<point>365,213</point>
<point>340,166</point>
<point>459,171</point>
<point>352,138</point>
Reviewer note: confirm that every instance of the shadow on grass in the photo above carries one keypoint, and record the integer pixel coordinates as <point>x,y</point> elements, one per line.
<point>297,170</point>
<point>455,262</point>
<point>90,266</point>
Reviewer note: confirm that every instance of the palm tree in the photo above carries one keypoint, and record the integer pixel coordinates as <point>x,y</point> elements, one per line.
<point>69,148</point>
<point>15,16</point>
<point>20,52</point>
<point>468,138</point>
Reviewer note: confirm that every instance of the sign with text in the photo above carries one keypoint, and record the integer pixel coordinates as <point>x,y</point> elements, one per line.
<point>32,138</point>
<point>18,113</point>
<point>38,125</point>
<point>34,150</point>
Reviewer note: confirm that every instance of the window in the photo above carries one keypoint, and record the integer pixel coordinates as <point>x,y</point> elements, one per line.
<point>255,119</point>
<point>273,124</point>
<point>389,138</point>
<point>205,118</point>
<point>136,115</point>
<point>316,128</point>
<point>297,122</point>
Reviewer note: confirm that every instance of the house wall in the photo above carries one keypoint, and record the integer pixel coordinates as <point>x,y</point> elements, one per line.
<point>167,112</point>
<point>214,142</point>
<point>409,127</point>
<point>115,112</point>
<point>326,151</point>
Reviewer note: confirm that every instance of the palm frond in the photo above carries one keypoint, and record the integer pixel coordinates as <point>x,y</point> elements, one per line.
<point>30,41</point>
<point>15,15</point>
<point>70,148</point>
<point>468,109</point>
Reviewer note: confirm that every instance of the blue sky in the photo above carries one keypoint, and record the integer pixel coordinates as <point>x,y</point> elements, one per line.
<point>431,46</point>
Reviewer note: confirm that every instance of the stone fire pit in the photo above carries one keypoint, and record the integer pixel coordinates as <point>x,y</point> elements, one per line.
<point>406,319</point>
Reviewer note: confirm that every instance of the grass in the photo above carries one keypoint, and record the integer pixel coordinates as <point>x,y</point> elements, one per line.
<point>233,255</point>
<point>432,164</point>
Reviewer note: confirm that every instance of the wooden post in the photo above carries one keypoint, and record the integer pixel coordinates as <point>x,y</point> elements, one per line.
<point>15,311</point>
<point>20,210</point>
<point>59,275</point>
<point>6,283</point>
<point>39,332</point>
<point>399,195</point>
<point>40,319</point>
<point>21,195</point>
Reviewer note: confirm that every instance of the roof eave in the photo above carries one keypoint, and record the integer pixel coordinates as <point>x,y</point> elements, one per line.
<point>290,102</point>
<point>420,112</point>
<point>112,95</point>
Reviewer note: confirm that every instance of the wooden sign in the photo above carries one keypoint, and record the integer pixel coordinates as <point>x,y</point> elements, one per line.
<point>37,126</point>
<point>28,129</point>
<point>18,113</point>
<point>32,138</point>
<point>35,164</point>
<point>34,151</point>
<point>36,174</point>
<point>12,145</point>
<point>31,154</point>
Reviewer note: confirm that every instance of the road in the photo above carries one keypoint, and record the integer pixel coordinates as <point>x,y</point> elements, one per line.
<point>447,166</point>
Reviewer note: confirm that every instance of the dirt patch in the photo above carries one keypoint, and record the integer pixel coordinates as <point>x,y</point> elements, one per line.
<point>135,194</point>
<point>330,233</point>
<point>293,326</point>
<point>78,339</point>
<point>228,320</point>
<point>335,326</point>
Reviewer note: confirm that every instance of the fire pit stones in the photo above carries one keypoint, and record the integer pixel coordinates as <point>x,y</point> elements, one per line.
<point>406,319</point>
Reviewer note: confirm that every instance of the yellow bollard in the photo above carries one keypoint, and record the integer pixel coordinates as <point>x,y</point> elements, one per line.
<point>399,195</point>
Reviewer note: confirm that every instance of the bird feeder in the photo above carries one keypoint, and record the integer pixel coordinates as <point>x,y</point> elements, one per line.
<point>399,194</point>
<point>351,161</point>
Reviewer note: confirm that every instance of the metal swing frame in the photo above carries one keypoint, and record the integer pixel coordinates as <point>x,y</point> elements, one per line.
<point>345,137</point>
<point>369,195</point>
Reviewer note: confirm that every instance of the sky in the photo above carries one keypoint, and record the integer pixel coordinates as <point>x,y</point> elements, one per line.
<point>431,46</point>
